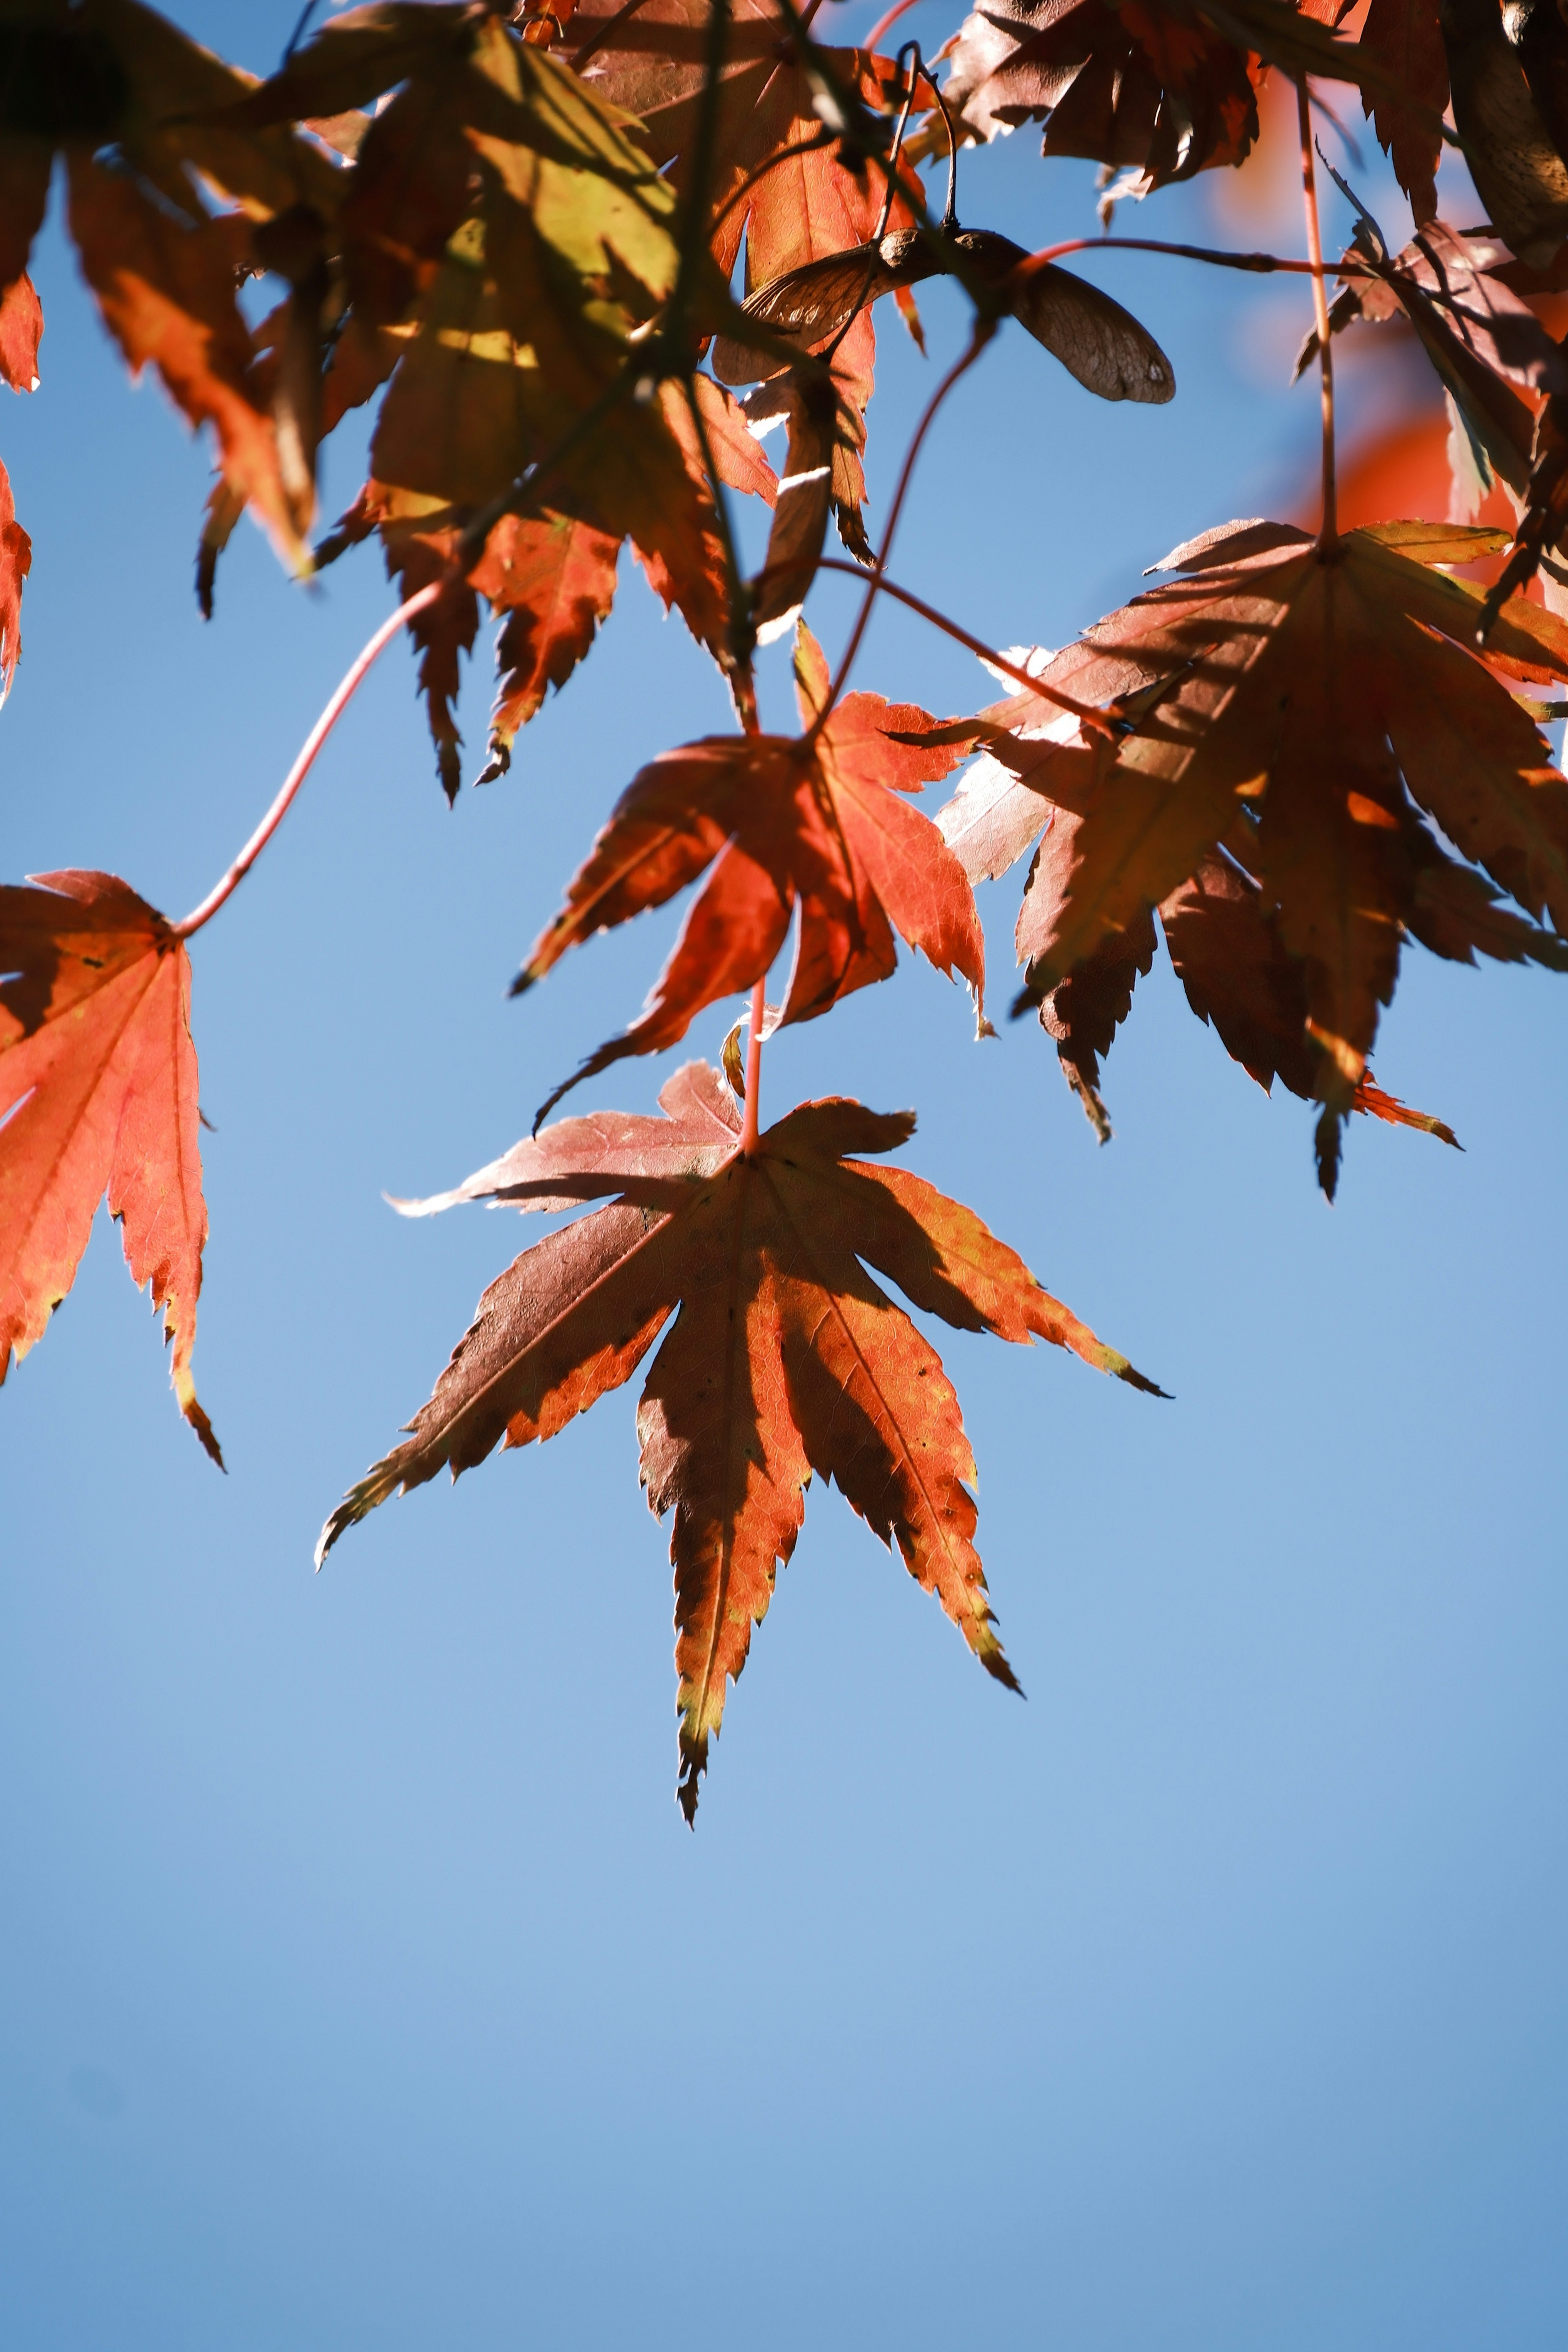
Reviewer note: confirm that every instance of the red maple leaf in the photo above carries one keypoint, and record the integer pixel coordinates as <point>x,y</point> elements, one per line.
<point>818,821</point>
<point>98,1093</point>
<point>786,1357</point>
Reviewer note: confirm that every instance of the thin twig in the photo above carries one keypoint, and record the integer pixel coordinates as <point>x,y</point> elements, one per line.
<point>885,24</point>
<point>309,10</point>
<point>984,329</point>
<point>694,232</point>
<point>1262,263</point>
<point>912,49</point>
<point>611,24</point>
<point>317,735</point>
<point>1095,720</point>
<point>1328,534</point>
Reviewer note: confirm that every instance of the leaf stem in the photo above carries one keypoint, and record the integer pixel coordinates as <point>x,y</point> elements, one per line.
<point>352,681</point>
<point>911,50</point>
<point>753,1066</point>
<point>1261,263</point>
<point>1329,535</point>
<point>595,41</point>
<point>885,24</point>
<point>985,327</point>
<point>1095,720</point>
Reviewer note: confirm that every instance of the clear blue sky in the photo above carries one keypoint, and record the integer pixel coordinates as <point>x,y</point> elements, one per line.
<point>360,1986</point>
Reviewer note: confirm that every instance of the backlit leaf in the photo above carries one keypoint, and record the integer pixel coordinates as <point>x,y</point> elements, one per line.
<point>98,1093</point>
<point>787,1356</point>
<point>818,822</point>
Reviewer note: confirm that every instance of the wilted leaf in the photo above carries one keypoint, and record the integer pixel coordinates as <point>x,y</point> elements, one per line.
<point>787,1356</point>
<point>21,330</point>
<point>97,1091</point>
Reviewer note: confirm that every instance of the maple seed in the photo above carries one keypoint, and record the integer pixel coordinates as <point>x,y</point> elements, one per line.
<point>785,1359</point>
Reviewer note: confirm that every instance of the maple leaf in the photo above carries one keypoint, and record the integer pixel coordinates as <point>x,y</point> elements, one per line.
<point>166,292</point>
<point>98,1092</point>
<point>1406,38</point>
<point>782,183</point>
<point>1029,791</point>
<point>1481,336</point>
<point>822,427</point>
<point>652,62</point>
<point>817,821</point>
<point>21,331</point>
<point>1129,85</point>
<point>786,1357</point>
<point>1291,713</point>
<point>1163,88</point>
<point>15,561</point>
<point>808,206</point>
<point>113,76</point>
<point>522,337</point>
<point>1543,521</point>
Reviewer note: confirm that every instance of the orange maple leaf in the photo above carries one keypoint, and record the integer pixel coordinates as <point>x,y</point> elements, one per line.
<point>15,562</point>
<point>509,267</point>
<point>1245,702</point>
<point>786,1357</point>
<point>1302,706</point>
<point>98,1092</point>
<point>817,821</point>
<point>116,77</point>
<point>21,331</point>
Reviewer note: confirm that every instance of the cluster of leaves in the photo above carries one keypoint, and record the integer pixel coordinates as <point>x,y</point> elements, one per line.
<point>557,247</point>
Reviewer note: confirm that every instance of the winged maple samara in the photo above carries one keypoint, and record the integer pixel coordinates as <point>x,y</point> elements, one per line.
<point>98,1092</point>
<point>787,1356</point>
<point>1302,709</point>
<point>1094,338</point>
<point>819,821</point>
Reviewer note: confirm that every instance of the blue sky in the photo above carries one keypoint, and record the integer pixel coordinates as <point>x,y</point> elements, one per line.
<point>359,1983</point>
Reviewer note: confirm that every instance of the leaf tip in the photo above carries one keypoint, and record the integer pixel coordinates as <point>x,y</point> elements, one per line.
<point>205,1431</point>
<point>191,1407</point>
